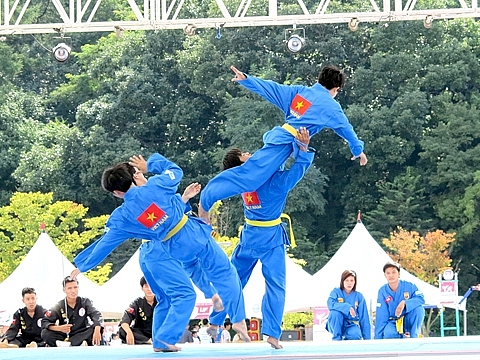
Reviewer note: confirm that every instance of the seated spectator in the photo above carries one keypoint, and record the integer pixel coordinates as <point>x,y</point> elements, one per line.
<point>400,311</point>
<point>196,339</point>
<point>68,323</point>
<point>136,323</point>
<point>26,327</point>
<point>187,336</point>
<point>205,333</point>
<point>225,335</point>
<point>348,318</point>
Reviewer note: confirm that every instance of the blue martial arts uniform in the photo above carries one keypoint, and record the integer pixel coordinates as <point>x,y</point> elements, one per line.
<point>151,212</point>
<point>267,244</point>
<point>340,323</point>
<point>309,107</point>
<point>387,302</point>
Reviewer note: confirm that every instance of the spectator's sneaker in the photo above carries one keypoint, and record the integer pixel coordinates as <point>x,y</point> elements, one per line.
<point>84,343</point>
<point>7,346</point>
<point>33,344</point>
<point>61,343</point>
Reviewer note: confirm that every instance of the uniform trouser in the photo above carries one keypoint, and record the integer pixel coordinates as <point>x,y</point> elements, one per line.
<point>341,328</point>
<point>412,323</point>
<point>274,272</point>
<point>173,291</point>
<point>195,272</point>
<point>139,336</point>
<point>194,243</point>
<point>50,337</point>
<point>248,177</point>
<point>22,341</point>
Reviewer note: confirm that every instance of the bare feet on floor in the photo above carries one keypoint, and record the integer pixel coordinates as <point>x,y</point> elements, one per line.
<point>170,348</point>
<point>241,329</point>
<point>274,343</point>
<point>217,303</point>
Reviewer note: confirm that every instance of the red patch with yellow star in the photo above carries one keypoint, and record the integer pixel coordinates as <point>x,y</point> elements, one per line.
<point>251,198</point>
<point>299,106</point>
<point>151,216</point>
<point>130,310</point>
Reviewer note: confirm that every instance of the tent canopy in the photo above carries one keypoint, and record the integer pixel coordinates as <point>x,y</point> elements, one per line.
<point>44,269</point>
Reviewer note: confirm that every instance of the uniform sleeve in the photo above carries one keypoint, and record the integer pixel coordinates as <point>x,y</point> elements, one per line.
<point>168,174</point>
<point>93,313</point>
<point>100,249</point>
<point>288,179</point>
<point>362,312</point>
<point>129,314</point>
<point>279,95</point>
<point>51,317</point>
<point>340,124</point>
<point>381,315</point>
<point>334,304</point>
<point>416,299</point>
<point>12,331</point>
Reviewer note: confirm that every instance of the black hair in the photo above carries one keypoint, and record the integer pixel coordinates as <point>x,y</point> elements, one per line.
<point>118,177</point>
<point>28,290</point>
<point>143,281</point>
<point>391,264</point>
<point>205,321</point>
<point>67,280</point>
<point>232,159</point>
<point>331,77</point>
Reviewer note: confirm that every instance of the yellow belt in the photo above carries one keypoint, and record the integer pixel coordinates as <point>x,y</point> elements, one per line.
<point>290,129</point>
<point>399,325</point>
<point>175,229</point>
<point>270,223</point>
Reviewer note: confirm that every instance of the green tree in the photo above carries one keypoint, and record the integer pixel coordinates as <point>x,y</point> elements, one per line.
<point>64,222</point>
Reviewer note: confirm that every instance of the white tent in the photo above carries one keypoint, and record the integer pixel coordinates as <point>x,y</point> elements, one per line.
<point>301,292</point>
<point>361,253</point>
<point>44,269</point>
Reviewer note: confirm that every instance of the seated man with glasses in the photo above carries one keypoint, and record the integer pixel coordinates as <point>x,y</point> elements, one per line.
<point>26,327</point>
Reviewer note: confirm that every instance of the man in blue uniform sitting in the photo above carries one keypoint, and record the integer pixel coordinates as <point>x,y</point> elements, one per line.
<point>400,311</point>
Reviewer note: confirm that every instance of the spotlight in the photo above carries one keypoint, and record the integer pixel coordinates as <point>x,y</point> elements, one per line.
<point>190,30</point>
<point>61,52</point>
<point>295,42</point>
<point>428,21</point>
<point>353,24</point>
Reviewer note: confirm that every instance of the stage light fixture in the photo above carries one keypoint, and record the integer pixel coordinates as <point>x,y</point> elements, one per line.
<point>61,52</point>
<point>353,24</point>
<point>294,41</point>
<point>428,21</point>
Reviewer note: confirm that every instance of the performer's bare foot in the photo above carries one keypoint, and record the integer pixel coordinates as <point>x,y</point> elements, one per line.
<point>274,343</point>
<point>217,303</point>
<point>202,214</point>
<point>241,329</point>
<point>170,348</point>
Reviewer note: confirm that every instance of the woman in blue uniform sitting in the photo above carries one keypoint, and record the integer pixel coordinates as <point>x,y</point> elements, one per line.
<point>348,318</point>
